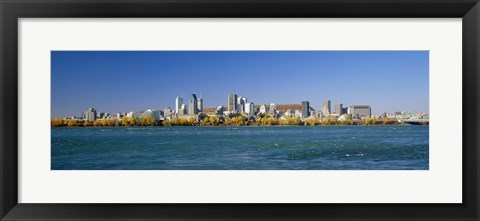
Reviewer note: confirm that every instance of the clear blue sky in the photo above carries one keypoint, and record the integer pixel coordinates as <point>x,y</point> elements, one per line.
<point>123,81</point>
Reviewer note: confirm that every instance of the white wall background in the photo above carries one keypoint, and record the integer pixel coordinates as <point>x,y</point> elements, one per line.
<point>441,184</point>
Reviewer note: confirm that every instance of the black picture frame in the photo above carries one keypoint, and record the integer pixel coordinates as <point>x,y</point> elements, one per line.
<point>12,10</point>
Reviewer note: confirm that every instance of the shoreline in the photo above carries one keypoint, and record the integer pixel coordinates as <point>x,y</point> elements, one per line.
<point>380,125</point>
<point>238,121</point>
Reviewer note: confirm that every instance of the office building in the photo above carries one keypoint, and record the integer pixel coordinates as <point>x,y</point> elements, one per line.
<point>200,105</point>
<point>90,115</point>
<point>360,111</point>
<point>298,113</point>
<point>241,104</point>
<point>318,114</point>
<point>263,109</point>
<point>272,109</point>
<point>155,114</point>
<point>219,110</point>
<point>168,112</point>
<point>192,105</point>
<point>289,113</point>
<point>182,110</point>
<point>326,108</point>
<point>305,109</point>
<point>249,109</point>
<point>232,103</point>
<point>338,109</point>
<point>240,108</point>
<point>178,103</point>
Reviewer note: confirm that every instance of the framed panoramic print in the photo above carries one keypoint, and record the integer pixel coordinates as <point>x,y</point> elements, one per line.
<point>248,110</point>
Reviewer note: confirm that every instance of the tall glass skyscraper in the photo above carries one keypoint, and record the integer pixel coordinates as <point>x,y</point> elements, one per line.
<point>200,105</point>
<point>326,110</point>
<point>232,101</point>
<point>178,103</point>
<point>192,107</point>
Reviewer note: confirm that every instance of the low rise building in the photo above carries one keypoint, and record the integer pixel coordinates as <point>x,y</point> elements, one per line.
<point>155,114</point>
<point>168,113</point>
<point>289,113</point>
<point>360,111</point>
<point>220,110</point>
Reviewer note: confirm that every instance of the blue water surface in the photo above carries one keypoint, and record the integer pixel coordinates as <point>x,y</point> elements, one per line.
<point>241,148</point>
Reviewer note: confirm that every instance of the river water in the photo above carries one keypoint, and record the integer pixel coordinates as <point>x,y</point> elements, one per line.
<point>241,148</point>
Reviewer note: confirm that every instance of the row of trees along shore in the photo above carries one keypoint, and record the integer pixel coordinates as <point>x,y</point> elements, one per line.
<point>205,120</point>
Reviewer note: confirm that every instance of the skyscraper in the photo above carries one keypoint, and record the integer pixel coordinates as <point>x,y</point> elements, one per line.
<point>326,110</point>
<point>244,102</point>
<point>249,108</point>
<point>90,115</point>
<point>200,105</point>
<point>272,109</point>
<point>232,101</point>
<point>183,110</point>
<point>241,104</point>
<point>192,107</point>
<point>167,113</point>
<point>305,109</point>
<point>263,109</point>
<point>178,103</point>
<point>339,109</point>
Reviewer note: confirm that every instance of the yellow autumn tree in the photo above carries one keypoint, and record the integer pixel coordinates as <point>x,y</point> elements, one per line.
<point>125,121</point>
<point>71,123</point>
<point>167,123</point>
<point>191,121</point>
<point>132,121</point>
<point>147,121</point>
<point>238,121</point>
<point>57,122</point>
<point>213,120</point>
<point>312,121</point>
<point>370,121</point>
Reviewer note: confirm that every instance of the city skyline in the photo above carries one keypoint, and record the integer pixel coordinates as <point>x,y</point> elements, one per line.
<point>241,106</point>
<point>133,81</point>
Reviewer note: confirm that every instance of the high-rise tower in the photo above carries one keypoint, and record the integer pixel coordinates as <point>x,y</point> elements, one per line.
<point>232,101</point>
<point>192,107</point>
<point>178,103</point>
